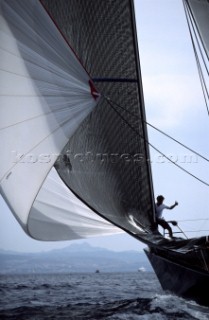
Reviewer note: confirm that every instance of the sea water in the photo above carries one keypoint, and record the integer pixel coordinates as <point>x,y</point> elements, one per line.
<point>108,296</point>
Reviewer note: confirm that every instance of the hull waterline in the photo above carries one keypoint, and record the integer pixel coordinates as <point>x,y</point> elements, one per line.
<point>179,279</point>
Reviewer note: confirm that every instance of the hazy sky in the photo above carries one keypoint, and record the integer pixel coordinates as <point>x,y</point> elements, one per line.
<point>175,104</point>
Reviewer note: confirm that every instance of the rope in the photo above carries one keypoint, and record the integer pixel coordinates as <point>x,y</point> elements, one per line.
<point>189,16</point>
<point>195,231</point>
<point>162,132</point>
<point>202,219</point>
<point>138,134</point>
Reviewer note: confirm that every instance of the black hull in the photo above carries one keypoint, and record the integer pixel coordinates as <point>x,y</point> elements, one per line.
<point>179,279</point>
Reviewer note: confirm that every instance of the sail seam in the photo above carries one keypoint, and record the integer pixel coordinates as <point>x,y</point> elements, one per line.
<point>37,116</point>
<point>36,145</point>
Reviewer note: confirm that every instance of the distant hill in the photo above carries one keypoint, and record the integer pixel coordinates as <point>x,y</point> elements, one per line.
<point>74,258</point>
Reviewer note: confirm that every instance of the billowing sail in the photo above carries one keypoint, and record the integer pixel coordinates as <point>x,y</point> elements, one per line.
<point>200,13</point>
<point>106,162</point>
<point>45,95</point>
<point>57,214</point>
<point>52,115</point>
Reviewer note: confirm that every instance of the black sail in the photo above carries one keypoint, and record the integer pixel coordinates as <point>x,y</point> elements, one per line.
<point>106,163</point>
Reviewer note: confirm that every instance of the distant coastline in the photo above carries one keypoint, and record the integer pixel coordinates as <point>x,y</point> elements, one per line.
<point>74,258</point>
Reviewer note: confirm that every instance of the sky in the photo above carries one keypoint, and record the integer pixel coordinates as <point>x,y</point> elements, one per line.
<point>174,103</point>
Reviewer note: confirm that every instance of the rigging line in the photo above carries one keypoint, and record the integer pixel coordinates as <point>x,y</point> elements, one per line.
<point>202,219</point>
<point>162,132</point>
<point>204,87</point>
<point>202,80</point>
<point>198,154</point>
<point>203,84</point>
<point>138,134</point>
<point>177,165</point>
<point>195,231</point>
<point>201,75</point>
<point>189,14</point>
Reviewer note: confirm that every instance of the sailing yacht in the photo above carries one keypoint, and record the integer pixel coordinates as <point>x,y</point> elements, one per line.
<point>75,160</point>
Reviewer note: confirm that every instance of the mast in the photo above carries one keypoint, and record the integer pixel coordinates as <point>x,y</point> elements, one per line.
<point>142,107</point>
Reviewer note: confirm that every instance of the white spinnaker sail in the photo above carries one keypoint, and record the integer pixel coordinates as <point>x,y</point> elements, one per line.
<point>200,11</point>
<point>57,214</point>
<point>45,95</point>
